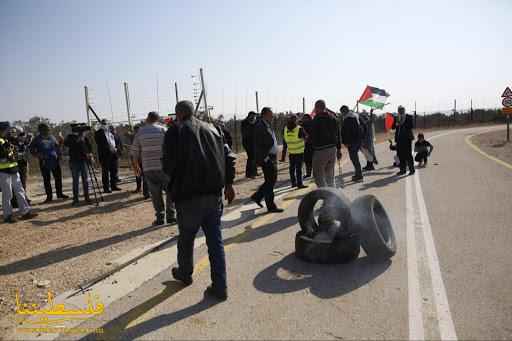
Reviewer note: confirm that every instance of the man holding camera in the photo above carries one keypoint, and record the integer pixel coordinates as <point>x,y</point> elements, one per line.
<point>79,155</point>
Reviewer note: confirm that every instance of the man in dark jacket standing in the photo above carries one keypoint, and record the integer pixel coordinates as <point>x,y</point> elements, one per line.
<point>79,156</point>
<point>351,135</point>
<point>326,145</point>
<point>107,155</point>
<point>248,144</point>
<point>403,138</point>
<point>307,125</point>
<point>199,164</point>
<point>265,152</point>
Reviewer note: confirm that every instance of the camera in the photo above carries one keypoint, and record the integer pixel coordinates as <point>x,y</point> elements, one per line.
<point>79,128</point>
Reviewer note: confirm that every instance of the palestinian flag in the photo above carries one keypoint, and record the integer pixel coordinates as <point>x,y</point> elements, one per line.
<point>374,97</point>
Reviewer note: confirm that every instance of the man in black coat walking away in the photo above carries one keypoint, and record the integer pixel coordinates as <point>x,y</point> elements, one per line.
<point>403,138</point>
<point>107,155</point>
<point>351,136</point>
<point>265,149</point>
<point>199,164</point>
<point>248,143</point>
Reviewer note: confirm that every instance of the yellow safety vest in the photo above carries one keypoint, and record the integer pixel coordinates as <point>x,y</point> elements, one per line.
<point>295,144</point>
<point>7,162</point>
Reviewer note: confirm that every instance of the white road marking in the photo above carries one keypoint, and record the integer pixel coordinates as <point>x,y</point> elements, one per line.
<point>416,329</point>
<point>444,317</point>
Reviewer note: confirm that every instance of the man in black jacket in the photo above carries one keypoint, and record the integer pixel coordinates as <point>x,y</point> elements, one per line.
<point>307,124</point>
<point>265,153</point>
<point>200,165</point>
<point>326,145</point>
<point>79,155</point>
<point>351,136</point>
<point>248,144</point>
<point>107,155</point>
<point>403,138</point>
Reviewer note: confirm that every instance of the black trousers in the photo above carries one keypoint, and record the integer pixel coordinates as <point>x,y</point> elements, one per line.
<point>47,177</point>
<point>250,167</point>
<point>421,157</point>
<point>296,161</point>
<point>109,169</point>
<point>353,151</point>
<point>308,158</point>
<point>405,156</point>
<point>266,190</point>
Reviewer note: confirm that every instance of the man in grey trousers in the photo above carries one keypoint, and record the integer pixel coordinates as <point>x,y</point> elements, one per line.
<point>147,147</point>
<point>326,145</point>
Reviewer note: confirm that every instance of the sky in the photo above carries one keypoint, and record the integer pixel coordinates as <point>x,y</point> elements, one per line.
<point>428,52</point>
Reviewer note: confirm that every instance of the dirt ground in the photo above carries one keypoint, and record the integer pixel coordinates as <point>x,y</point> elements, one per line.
<point>495,144</point>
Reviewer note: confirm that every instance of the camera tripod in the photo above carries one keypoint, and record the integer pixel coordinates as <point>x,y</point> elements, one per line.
<point>96,189</point>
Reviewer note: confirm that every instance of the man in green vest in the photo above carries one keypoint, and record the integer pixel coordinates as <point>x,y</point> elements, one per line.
<point>10,179</point>
<point>294,143</point>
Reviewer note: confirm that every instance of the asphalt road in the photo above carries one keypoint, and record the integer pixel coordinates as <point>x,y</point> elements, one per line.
<point>450,279</point>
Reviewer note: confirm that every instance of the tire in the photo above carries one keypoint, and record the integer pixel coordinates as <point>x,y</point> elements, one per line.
<point>339,251</point>
<point>334,201</point>
<point>371,221</point>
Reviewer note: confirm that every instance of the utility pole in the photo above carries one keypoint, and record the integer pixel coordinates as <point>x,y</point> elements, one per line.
<point>176,91</point>
<point>415,116</point>
<point>86,89</point>
<point>257,103</point>
<point>304,105</point>
<point>455,110</point>
<point>110,101</point>
<point>204,95</point>
<point>127,98</point>
<point>471,112</point>
<point>157,95</point>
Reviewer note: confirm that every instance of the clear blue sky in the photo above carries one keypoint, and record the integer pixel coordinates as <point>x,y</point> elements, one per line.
<point>428,51</point>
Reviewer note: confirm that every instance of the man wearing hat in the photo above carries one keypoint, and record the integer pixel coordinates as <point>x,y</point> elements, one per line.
<point>10,179</point>
<point>107,155</point>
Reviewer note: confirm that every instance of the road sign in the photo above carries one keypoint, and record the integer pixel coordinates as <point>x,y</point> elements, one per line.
<point>507,92</point>
<point>507,102</point>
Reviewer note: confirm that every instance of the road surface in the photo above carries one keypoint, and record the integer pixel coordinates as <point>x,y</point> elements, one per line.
<point>451,277</point>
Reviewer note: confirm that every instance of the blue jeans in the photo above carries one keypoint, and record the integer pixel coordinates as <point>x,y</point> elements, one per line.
<point>205,212</point>
<point>79,170</point>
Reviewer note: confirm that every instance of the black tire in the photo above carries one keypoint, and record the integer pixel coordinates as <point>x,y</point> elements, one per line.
<point>339,251</point>
<point>334,200</point>
<point>371,221</point>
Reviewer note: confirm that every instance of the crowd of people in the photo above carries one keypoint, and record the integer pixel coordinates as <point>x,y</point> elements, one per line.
<point>187,166</point>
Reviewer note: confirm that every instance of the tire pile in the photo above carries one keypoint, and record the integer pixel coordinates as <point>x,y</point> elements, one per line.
<point>343,228</point>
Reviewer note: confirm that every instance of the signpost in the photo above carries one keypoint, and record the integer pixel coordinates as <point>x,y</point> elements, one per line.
<point>507,108</point>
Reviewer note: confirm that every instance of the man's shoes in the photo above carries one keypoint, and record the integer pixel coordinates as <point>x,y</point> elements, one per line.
<point>307,176</point>
<point>116,189</point>
<point>159,221</point>
<point>412,172</point>
<point>88,201</point>
<point>275,210</point>
<point>28,215</point>
<point>179,276</point>
<point>400,173</point>
<point>48,200</point>
<point>302,186</point>
<point>171,220</point>
<point>136,191</point>
<point>75,202</point>
<point>375,161</point>
<point>256,201</point>
<point>356,178</point>
<point>369,166</point>
<point>294,185</point>
<point>146,197</point>
<point>10,219</point>
<point>220,294</point>
<point>107,191</point>
<point>62,196</point>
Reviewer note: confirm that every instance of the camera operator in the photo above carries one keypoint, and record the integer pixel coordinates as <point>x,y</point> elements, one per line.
<point>79,155</point>
<point>21,141</point>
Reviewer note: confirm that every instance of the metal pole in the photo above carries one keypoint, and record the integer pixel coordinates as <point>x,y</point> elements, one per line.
<point>157,95</point>
<point>257,103</point>
<point>204,95</point>
<point>415,116</point>
<point>86,89</point>
<point>471,117</point>
<point>110,101</point>
<point>508,128</point>
<point>176,91</point>
<point>304,105</point>
<point>127,98</point>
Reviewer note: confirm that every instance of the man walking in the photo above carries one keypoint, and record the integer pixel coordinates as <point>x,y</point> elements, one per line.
<point>294,143</point>
<point>200,164</point>
<point>403,138</point>
<point>79,155</point>
<point>265,153</point>
<point>147,149</point>
<point>351,136</point>
<point>10,179</point>
<point>326,145</point>
<point>47,150</point>
<point>107,155</point>
<point>248,144</point>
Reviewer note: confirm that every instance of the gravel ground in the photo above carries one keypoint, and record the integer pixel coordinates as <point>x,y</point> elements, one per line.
<point>495,144</point>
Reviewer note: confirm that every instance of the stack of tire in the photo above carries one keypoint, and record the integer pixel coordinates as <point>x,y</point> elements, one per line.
<point>343,228</point>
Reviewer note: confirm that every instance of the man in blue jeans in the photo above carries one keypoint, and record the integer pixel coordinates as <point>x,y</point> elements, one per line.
<point>200,165</point>
<point>79,155</point>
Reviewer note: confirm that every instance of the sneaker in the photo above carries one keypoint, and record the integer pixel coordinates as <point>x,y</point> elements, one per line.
<point>256,201</point>
<point>62,196</point>
<point>177,275</point>
<point>275,210</point>
<point>10,219</point>
<point>28,215</point>
<point>220,294</point>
